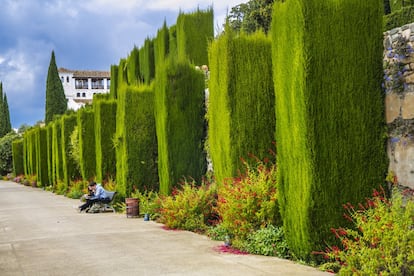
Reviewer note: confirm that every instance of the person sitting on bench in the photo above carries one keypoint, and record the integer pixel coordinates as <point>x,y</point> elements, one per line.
<point>99,196</point>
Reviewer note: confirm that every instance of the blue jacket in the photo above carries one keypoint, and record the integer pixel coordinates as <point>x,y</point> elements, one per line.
<point>100,193</point>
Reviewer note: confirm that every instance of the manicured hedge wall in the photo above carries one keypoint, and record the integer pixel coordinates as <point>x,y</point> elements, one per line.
<point>161,44</point>
<point>29,152</point>
<point>17,151</point>
<point>50,163</point>
<point>133,73</point>
<point>70,170</point>
<point>114,81</point>
<point>41,156</point>
<point>57,164</point>
<point>136,142</point>
<point>87,155</point>
<point>194,31</point>
<point>179,109</point>
<point>173,40</point>
<point>105,128</point>
<point>329,113</point>
<point>241,101</point>
<point>147,62</point>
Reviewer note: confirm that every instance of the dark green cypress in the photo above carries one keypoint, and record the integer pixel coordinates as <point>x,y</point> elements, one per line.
<point>2,118</point>
<point>17,149</point>
<point>87,152</point>
<point>114,81</point>
<point>56,102</point>
<point>70,170</point>
<point>7,123</point>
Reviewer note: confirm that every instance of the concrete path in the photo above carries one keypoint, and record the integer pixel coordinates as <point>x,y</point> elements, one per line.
<point>42,234</point>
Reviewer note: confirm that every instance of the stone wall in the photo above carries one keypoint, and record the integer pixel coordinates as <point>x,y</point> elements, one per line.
<point>399,101</point>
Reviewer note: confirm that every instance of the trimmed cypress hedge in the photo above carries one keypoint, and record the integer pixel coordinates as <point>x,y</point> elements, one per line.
<point>241,101</point>
<point>179,109</point>
<point>147,62</point>
<point>57,164</point>
<point>70,170</point>
<point>17,152</point>
<point>194,31</point>
<point>122,75</point>
<point>50,163</point>
<point>41,156</point>
<point>87,154</point>
<point>29,152</point>
<point>133,73</point>
<point>329,113</point>
<point>114,81</point>
<point>173,41</point>
<point>161,45</point>
<point>105,128</point>
<point>136,142</point>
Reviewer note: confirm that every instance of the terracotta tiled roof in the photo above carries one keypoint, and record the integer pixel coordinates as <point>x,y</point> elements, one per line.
<point>86,74</point>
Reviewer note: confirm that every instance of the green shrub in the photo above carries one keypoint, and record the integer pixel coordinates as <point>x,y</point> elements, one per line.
<point>41,155</point>
<point>399,18</point>
<point>249,202</point>
<point>329,112</point>
<point>268,241</point>
<point>6,152</point>
<point>87,154</point>
<point>188,208</point>
<point>17,152</point>
<point>70,171</point>
<point>77,189</point>
<point>382,240</point>
<point>147,61</point>
<point>114,82</point>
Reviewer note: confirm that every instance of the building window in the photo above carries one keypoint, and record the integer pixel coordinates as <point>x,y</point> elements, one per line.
<point>78,94</point>
<point>83,94</point>
<point>81,83</point>
<point>97,84</point>
<point>67,79</point>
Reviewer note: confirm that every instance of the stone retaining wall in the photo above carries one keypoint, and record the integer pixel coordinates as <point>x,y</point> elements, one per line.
<point>399,101</point>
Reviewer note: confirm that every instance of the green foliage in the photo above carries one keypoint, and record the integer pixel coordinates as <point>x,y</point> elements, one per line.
<point>105,128</point>
<point>179,115</point>
<point>29,153</point>
<point>50,157</point>
<point>397,5</point>
<point>114,82</point>
<point>42,170</point>
<point>161,45</point>
<point>57,155</point>
<point>217,232</point>
<point>188,208</point>
<point>268,241</point>
<point>251,16</point>
<point>56,102</point>
<point>241,100</point>
<point>147,61</point>
<point>194,31</point>
<point>5,126</point>
<point>17,153</point>
<point>6,154</point>
<point>70,171</point>
<point>329,112</point>
<point>148,201</point>
<point>77,189</point>
<point>173,41</point>
<point>381,241</point>
<point>133,73</point>
<point>87,155</point>
<point>399,18</point>
<point>248,202</point>
<point>135,140</point>
<point>74,147</point>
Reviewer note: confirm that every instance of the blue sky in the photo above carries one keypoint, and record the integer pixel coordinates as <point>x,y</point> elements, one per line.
<point>85,35</point>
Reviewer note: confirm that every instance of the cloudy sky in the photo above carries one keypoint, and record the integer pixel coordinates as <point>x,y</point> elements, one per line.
<point>85,35</point>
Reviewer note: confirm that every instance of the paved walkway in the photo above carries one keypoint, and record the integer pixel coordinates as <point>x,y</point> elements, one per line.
<point>42,234</point>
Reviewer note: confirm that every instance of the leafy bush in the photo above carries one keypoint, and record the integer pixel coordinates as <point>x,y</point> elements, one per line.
<point>77,189</point>
<point>189,208</point>
<point>269,241</point>
<point>399,18</point>
<point>217,232</point>
<point>249,202</point>
<point>382,242</point>
<point>6,162</point>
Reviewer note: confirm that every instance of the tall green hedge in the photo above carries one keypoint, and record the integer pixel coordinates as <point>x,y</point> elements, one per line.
<point>105,128</point>
<point>87,154</point>
<point>147,61</point>
<point>173,40</point>
<point>70,170</point>
<point>241,101</point>
<point>17,151</point>
<point>179,109</point>
<point>161,44</point>
<point>133,71</point>
<point>57,156</point>
<point>194,31</point>
<point>114,81</point>
<point>136,142</point>
<point>50,156</point>
<point>327,57</point>
<point>29,152</point>
<point>41,155</point>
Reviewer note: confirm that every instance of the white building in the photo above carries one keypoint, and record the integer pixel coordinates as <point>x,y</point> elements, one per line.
<point>80,86</point>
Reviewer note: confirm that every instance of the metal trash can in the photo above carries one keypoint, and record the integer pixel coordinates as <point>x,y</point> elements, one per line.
<point>132,207</point>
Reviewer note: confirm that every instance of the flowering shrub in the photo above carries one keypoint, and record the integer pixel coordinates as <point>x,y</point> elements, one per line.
<point>248,202</point>
<point>189,208</point>
<point>382,242</point>
<point>77,189</point>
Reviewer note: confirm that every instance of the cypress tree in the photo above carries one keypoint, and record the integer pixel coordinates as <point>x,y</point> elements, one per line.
<point>2,122</point>
<point>56,102</point>
<point>7,124</point>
